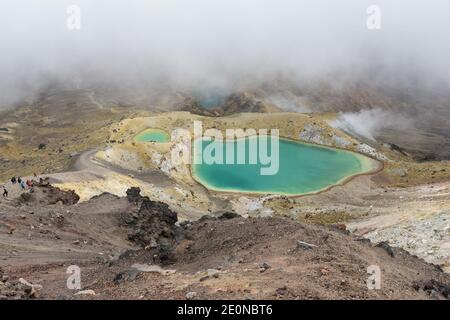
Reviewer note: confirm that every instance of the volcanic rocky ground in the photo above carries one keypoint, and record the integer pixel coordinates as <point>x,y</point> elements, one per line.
<point>134,248</point>
<point>177,245</point>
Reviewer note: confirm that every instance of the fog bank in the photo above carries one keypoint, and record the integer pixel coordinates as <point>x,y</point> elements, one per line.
<point>220,43</point>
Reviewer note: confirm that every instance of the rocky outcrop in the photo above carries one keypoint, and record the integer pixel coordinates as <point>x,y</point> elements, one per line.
<point>155,225</point>
<point>44,193</point>
<point>17,289</point>
<point>134,195</point>
<point>238,103</point>
<point>427,238</point>
<point>315,134</point>
<point>152,226</point>
<point>368,150</point>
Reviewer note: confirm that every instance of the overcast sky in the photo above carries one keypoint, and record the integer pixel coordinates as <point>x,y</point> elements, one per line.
<point>217,41</point>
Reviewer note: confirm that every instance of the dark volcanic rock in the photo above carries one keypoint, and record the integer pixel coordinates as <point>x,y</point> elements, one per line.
<point>384,245</point>
<point>134,195</point>
<point>44,193</point>
<point>154,226</point>
<point>241,102</point>
<point>432,286</point>
<point>228,215</point>
<point>55,195</point>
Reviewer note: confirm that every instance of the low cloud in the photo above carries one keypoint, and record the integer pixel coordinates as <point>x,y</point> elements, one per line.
<point>227,44</point>
<point>291,104</point>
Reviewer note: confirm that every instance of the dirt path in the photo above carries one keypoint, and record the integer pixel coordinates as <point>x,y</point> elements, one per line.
<point>92,99</point>
<point>90,177</point>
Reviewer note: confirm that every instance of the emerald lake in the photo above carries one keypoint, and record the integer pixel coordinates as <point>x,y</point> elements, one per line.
<point>153,135</point>
<point>303,168</point>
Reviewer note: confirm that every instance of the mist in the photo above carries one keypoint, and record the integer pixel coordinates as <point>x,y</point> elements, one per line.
<point>370,123</point>
<point>225,44</point>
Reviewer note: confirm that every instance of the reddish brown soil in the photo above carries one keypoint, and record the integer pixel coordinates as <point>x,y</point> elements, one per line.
<point>253,258</point>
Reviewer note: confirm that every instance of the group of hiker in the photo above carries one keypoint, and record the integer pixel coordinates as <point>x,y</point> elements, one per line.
<point>21,182</point>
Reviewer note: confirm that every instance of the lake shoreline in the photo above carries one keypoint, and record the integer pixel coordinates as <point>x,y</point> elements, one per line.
<point>369,166</point>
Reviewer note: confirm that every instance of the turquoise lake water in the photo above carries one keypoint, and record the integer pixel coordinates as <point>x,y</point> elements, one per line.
<point>210,99</point>
<point>303,168</point>
<point>153,135</point>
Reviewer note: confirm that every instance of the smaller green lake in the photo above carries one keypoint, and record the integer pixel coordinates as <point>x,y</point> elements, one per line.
<point>153,135</point>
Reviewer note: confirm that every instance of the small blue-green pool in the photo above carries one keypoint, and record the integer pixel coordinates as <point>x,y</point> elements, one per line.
<point>153,135</point>
<point>302,168</point>
<point>210,99</point>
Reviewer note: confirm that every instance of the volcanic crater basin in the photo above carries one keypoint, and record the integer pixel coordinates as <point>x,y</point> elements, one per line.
<point>297,168</point>
<point>153,135</point>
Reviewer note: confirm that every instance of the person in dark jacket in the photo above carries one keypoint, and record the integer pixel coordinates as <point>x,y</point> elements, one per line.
<point>5,192</point>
